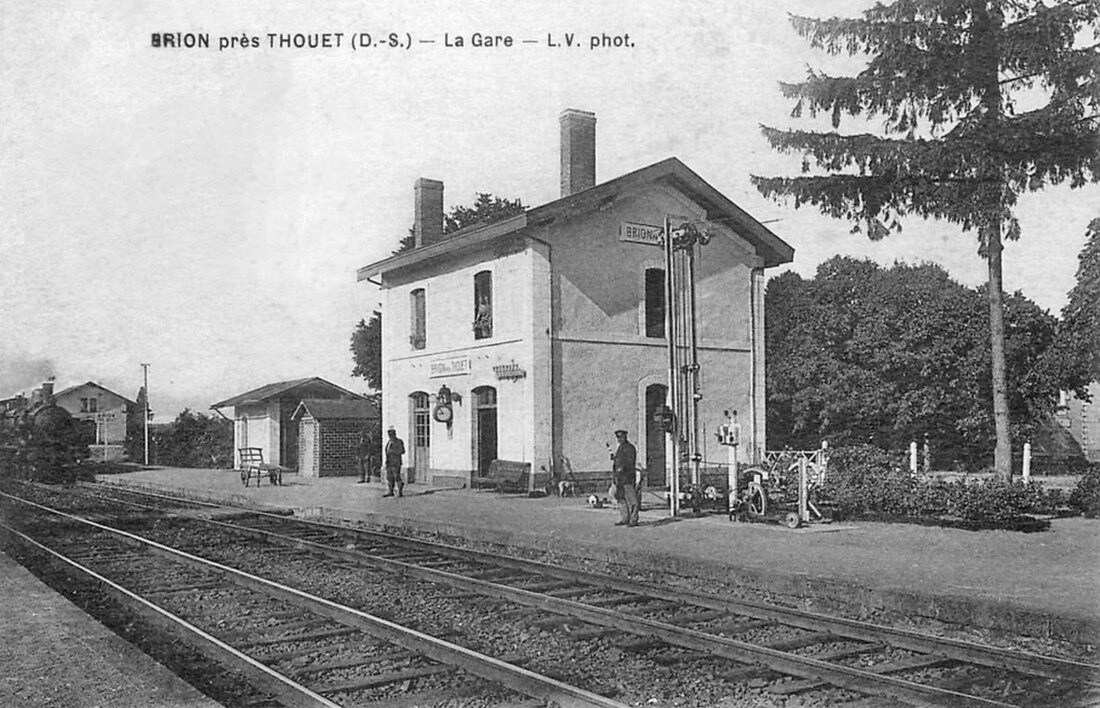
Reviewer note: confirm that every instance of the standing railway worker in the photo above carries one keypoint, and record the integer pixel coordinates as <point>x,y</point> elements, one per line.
<point>395,451</point>
<point>624,470</point>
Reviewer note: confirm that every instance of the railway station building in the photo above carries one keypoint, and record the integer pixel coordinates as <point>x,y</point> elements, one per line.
<point>534,338</point>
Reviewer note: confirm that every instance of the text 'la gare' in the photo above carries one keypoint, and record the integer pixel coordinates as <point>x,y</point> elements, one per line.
<point>478,39</point>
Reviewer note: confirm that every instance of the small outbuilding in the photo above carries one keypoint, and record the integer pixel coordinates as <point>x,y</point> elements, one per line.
<point>262,416</point>
<point>329,432</point>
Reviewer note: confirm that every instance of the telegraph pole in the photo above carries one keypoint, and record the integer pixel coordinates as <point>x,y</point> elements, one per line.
<point>145,413</point>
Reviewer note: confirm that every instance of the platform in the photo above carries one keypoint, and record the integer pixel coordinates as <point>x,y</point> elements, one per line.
<point>1038,584</point>
<point>53,654</point>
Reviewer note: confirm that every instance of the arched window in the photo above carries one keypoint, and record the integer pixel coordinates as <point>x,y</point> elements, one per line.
<point>655,302</point>
<point>483,305</point>
<point>417,329</point>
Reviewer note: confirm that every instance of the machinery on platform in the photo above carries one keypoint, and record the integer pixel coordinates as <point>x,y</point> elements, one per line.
<point>783,487</point>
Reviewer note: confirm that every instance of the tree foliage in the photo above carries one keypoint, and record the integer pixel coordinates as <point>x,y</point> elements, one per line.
<point>947,78</point>
<point>366,350</point>
<point>979,101</point>
<point>865,354</point>
<point>1078,348</point>
<point>135,428</point>
<point>193,440</point>
<point>486,209</point>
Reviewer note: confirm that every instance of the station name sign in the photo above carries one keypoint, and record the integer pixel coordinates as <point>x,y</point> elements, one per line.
<point>455,366</point>
<point>641,233</point>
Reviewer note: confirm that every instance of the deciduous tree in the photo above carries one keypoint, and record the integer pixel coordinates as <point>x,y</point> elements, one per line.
<point>486,209</point>
<point>1077,353</point>
<point>865,354</point>
<point>980,101</point>
<point>366,350</point>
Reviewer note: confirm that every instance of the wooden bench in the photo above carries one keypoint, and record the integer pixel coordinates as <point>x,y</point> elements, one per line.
<point>254,467</point>
<point>509,476</point>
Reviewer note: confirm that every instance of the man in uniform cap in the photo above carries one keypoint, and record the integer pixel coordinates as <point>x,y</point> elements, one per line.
<point>624,470</point>
<point>395,450</point>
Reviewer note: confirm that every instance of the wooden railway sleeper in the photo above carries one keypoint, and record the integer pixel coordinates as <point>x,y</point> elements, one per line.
<point>236,635</point>
<point>894,667</point>
<point>350,662</point>
<point>615,600</point>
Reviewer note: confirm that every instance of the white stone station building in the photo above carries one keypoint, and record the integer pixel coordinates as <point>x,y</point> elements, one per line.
<point>533,338</point>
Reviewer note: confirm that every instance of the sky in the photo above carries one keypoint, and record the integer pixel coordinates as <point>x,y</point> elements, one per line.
<point>205,210</point>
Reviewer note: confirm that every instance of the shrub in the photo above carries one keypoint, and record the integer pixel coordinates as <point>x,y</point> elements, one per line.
<point>1085,497</point>
<point>194,440</point>
<point>868,482</point>
<point>865,479</point>
<point>991,501</point>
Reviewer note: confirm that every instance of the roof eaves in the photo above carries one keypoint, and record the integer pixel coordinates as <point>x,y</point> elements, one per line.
<point>99,386</point>
<point>267,391</point>
<point>465,238</point>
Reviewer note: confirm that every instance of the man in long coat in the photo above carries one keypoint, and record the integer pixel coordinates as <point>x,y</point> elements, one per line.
<point>624,468</point>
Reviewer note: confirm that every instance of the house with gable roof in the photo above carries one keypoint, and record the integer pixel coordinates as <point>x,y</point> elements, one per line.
<point>532,339</point>
<point>263,417</point>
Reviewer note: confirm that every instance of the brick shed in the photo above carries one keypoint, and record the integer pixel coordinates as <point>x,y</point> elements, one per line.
<point>328,434</point>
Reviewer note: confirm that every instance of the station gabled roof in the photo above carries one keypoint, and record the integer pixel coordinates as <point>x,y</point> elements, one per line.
<point>279,390</point>
<point>70,389</point>
<point>334,408</point>
<point>671,171</point>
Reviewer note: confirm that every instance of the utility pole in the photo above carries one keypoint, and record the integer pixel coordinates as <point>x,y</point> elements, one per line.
<point>145,413</point>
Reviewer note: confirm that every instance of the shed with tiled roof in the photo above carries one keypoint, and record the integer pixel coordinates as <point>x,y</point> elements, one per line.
<point>333,434</point>
<point>262,417</point>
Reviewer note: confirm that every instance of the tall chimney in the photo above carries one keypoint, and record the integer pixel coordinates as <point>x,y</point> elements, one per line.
<point>578,151</point>
<point>428,226</point>
<point>47,392</point>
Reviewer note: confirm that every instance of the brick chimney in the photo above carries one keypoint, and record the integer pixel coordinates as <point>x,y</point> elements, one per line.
<point>428,224</point>
<point>47,392</point>
<point>578,151</point>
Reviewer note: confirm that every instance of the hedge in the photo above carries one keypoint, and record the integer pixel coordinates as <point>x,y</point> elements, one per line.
<point>865,482</point>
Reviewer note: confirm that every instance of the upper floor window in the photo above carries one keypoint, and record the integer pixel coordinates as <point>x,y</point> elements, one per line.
<point>417,336</point>
<point>655,302</point>
<point>93,405</point>
<point>483,305</point>
<point>83,405</point>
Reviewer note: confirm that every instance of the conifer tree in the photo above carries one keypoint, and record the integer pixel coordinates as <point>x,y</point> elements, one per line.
<point>980,101</point>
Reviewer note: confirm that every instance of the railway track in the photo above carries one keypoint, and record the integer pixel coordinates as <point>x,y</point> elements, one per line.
<point>776,651</point>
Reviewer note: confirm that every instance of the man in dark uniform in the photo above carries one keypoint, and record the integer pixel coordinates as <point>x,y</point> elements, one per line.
<point>624,469</point>
<point>395,450</point>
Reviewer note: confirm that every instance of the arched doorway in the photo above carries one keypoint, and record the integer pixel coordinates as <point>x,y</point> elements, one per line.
<point>420,435</point>
<point>655,396</point>
<point>485,428</point>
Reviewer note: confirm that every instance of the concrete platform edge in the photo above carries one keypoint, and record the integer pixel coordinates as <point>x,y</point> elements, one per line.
<point>826,592</point>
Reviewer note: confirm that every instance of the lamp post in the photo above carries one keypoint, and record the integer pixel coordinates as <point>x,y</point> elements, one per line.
<point>145,413</point>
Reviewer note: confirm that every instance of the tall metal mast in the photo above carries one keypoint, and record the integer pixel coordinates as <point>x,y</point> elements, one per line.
<point>145,413</point>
